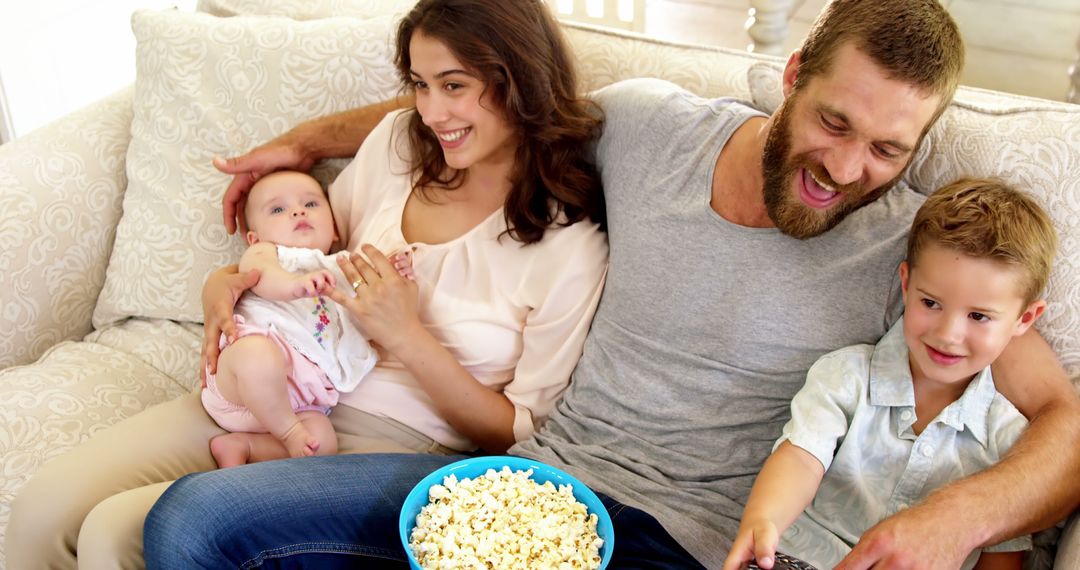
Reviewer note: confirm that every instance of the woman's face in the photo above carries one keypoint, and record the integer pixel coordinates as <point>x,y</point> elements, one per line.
<point>451,101</point>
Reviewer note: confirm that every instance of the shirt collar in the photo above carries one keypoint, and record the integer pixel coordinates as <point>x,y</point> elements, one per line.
<point>891,386</point>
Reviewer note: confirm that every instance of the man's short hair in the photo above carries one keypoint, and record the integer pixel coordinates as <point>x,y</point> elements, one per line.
<point>914,41</point>
<point>984,218</point>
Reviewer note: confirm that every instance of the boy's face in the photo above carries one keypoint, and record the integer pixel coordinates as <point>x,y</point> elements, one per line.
<point>289,208</point>
<point>959,313</point>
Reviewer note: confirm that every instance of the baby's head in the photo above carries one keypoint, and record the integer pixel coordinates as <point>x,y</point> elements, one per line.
<point>979,255</point>
<point>289,208</point>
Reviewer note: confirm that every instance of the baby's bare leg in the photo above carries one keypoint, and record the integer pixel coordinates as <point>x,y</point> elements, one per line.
<point>251,373</point>
<point>241,448</point>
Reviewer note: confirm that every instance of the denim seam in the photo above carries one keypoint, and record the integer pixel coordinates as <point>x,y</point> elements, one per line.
<point>319,547</point>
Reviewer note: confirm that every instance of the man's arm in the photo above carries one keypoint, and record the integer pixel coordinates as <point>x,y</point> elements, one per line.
<point>337,135</point>
<point>1034,486</point>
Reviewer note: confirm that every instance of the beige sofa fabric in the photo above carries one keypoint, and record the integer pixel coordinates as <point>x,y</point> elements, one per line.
<point>305,9</point>
<point>67,183</point>
<point>60,191</point>
<point>206,87</point>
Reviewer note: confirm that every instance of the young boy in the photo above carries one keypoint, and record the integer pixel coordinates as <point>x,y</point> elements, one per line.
<point>295,349</point>
<point>877,428</point>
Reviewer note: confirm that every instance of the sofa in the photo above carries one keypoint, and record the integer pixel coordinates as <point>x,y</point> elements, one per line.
<point>112,213</point>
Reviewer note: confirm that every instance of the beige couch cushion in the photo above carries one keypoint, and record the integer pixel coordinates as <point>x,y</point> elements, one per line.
<point>61,187</point>
<point>208,87</point>
<point>79,388</point>
<point>305,9</point>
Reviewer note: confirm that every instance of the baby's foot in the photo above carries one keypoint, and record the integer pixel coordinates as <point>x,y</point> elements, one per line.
<point>231,449</point>
<point>299,441</point>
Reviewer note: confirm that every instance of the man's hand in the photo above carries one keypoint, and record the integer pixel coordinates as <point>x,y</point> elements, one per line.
<point>915,538</point>
<point>284,152</point>
<point>220,293</point>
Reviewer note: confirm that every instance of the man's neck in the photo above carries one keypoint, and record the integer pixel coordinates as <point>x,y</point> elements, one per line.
<point>737,183</point>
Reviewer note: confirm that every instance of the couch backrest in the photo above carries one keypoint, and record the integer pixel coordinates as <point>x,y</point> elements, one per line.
<point>1031,143</point>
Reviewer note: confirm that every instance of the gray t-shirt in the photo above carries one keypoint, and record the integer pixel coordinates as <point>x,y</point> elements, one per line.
<point>706,329</point>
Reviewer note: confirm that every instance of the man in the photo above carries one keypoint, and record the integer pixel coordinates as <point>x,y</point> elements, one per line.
<point>731,234</point>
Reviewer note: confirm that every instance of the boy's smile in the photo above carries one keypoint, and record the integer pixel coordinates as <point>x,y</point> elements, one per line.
<point>959,314</point>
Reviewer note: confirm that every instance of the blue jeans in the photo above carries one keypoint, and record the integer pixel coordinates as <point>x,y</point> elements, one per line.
<point>331,512</point>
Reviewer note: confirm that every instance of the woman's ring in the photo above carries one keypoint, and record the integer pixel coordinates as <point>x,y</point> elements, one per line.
<point>356,284</point>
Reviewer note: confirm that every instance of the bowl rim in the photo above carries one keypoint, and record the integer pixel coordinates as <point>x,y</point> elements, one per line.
<point>582,493</point>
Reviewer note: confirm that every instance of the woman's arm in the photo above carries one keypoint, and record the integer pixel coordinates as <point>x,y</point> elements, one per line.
<point>386,307</point>
<point>337,135</point>
<point>565,277</point>
<point>220,293</point>
<point>786,485</point>
<point>1033,487</point>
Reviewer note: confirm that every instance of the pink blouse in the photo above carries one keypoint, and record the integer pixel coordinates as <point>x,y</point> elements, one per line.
<point>514,316</point>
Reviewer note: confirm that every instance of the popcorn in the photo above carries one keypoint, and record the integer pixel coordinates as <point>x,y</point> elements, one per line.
<point>504,520</point>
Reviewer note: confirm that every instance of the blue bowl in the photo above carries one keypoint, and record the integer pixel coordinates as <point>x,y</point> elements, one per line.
<point>476,466</point>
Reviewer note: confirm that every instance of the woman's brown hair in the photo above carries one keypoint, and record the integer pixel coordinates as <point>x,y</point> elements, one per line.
<point>517,49</point>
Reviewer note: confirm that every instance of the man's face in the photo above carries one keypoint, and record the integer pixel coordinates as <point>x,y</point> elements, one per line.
<point>839,142</point>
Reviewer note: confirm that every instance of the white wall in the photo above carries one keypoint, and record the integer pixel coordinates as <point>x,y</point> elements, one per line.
<point>58,55</point>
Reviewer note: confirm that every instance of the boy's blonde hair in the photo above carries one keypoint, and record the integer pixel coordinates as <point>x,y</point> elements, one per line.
<point>986,219</point>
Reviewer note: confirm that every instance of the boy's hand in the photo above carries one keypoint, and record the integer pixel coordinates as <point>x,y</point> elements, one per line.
<point>313,284</point>
<point>755,542</point>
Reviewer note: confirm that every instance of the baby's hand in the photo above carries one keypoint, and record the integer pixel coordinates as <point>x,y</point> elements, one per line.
<point>402,261</point>
<point>313,284</point>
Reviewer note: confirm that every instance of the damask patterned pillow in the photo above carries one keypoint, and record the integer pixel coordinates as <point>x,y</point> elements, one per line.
<point>1030,143</point>
<point>207,87</point>
<point>306,9</point>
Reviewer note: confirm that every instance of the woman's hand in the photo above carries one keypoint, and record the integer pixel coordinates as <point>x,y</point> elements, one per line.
<point>385,303</point>
<point>219,295</point>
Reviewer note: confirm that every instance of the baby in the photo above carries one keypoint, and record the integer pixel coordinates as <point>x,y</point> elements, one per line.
<point>295,349</point>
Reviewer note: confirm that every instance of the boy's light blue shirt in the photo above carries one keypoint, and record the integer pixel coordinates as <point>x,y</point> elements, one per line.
<point>855,415</point>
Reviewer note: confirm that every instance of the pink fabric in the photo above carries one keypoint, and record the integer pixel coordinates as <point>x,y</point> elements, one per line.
<point>309,388</point>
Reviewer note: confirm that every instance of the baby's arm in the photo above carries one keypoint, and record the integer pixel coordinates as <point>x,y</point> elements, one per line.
<point>278,284</point>
<point>786,485</point>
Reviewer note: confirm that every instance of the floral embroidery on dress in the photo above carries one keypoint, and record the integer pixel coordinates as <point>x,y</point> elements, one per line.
<point>321,312</point>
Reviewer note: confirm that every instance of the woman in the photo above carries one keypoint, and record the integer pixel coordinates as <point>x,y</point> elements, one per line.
<point>485,183</point>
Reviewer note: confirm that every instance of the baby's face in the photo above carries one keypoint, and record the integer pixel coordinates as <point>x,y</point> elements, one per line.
<point>289,208</point>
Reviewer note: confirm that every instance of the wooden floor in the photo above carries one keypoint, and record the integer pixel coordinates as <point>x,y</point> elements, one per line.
<point>1020,46</point>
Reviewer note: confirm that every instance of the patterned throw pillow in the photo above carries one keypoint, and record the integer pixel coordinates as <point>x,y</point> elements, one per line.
<point>206,87</point>
<point>305,9</point>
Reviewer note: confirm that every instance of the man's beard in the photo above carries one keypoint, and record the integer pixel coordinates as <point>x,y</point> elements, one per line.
<point>787,211</point>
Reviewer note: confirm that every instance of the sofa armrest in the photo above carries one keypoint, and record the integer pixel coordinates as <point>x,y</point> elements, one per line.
<point>1068,549</point>
<point>61,190</point>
